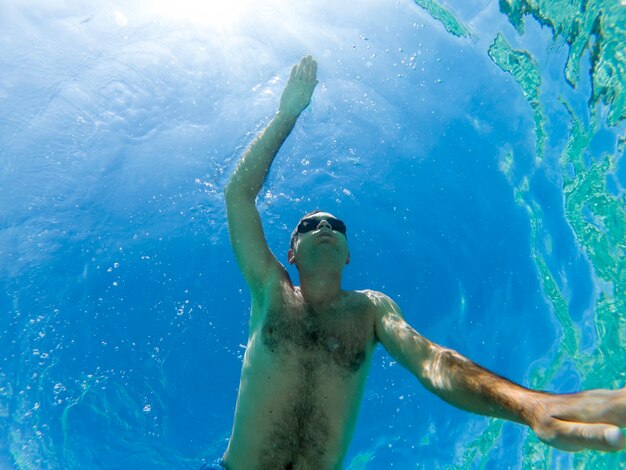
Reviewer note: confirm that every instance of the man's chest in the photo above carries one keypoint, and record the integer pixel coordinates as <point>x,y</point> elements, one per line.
<point>339,338</point>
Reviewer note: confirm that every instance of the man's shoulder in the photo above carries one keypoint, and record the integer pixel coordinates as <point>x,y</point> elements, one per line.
<point>377,301</point>
<point>372,295</point>
<point>381,304</point>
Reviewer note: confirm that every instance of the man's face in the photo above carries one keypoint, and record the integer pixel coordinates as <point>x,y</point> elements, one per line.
<point>320,237</point>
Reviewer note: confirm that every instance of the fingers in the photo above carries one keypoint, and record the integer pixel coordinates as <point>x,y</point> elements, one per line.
<point>312,70</point>
<point>614,437</point>
<point>306,70</point>
<point>593,406</point>
<point>572,437</point>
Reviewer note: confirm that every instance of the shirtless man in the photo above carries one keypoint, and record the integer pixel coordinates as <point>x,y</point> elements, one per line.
<point>310,346</point>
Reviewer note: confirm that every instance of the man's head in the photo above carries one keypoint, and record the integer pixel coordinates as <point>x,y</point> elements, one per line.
<point>316,229</point>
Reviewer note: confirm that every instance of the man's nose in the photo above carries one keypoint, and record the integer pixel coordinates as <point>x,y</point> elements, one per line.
<point>324,224</point>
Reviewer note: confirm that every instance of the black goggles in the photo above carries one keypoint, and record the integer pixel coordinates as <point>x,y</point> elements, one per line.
<point>311,223</point>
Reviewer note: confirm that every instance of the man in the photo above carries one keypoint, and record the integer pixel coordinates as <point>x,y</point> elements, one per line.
<point>310,346</point>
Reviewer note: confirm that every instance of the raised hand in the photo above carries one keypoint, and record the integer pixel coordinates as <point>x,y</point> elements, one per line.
<point>578,421</point>
<point>297,94</point>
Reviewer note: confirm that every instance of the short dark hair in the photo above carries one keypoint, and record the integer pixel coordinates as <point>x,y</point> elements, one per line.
<point>294,234</point>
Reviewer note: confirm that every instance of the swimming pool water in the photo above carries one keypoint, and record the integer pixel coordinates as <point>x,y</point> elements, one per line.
<point>475,150</point>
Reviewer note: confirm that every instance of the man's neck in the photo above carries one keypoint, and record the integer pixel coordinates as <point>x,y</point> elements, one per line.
<point>320,287</point>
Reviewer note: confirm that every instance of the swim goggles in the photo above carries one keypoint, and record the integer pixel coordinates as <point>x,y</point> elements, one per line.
<point>311,223</point>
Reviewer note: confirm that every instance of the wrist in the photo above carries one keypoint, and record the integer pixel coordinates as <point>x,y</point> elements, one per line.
<point>289,117</point>
<point>535,407</point>
<point>284,122</point>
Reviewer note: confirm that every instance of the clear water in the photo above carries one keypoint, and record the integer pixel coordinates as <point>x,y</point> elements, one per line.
<point>474,148</point>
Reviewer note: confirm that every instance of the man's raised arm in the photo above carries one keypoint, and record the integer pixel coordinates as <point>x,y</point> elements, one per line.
<point>571,422</point>
<point>255,260</point>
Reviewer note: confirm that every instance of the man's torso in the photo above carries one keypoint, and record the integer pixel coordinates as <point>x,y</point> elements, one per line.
<point>302,378</point>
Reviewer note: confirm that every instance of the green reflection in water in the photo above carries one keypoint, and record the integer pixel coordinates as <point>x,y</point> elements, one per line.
<point>447,18</point>
<point>524,68</point>
<point>595,25</point>
<point>597,217</point>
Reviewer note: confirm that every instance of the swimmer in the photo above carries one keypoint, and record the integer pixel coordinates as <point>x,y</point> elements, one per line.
<point>310,346</point>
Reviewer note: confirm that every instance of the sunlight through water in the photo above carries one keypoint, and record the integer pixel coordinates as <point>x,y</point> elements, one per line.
<point>217,14</point>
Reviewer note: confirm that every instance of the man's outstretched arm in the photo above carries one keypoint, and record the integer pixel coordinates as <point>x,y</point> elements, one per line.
<point>253,255</point>
<point>571,422</point>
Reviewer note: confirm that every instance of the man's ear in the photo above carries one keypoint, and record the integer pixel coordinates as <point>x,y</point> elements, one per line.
<point>291,256</point>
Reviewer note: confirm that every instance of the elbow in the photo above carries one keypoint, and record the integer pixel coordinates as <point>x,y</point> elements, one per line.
<point>230,186</point>
<point>230,196</point>
<point>228,190</point>
<point>437,370</point>
<point>231,191</point>
<point>234,193</point>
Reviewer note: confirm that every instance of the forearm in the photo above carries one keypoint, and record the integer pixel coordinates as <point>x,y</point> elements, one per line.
<point>252,169</point>
<point>468,386</point>
<point>571,422</point>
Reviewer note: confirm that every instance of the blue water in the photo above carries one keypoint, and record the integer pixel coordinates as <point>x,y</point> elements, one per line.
<point>124,317</point>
